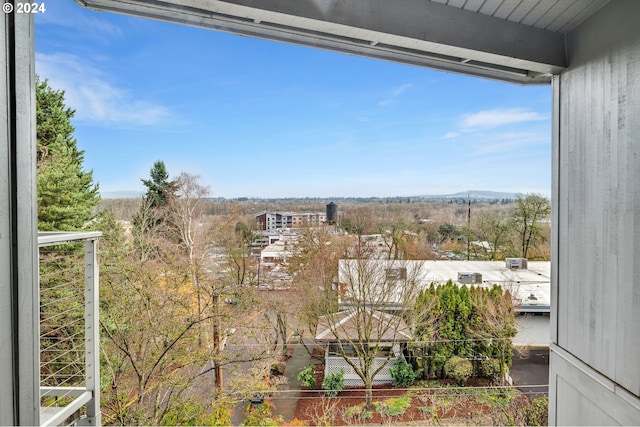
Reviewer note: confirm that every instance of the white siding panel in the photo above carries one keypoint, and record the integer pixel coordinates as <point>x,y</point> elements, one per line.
<point>456,3</point>
<point>556,11</point>
<point>580,395</point>
<point>628,297</point>
<point>538,12</point>
<point>587,9</point>
<point>599,197</point>
<point>506,9</point>
<point>558,14</point>
<point>490,7</point>
<point>522,11</point>
<point>578,410</point>
<point>473,5</point>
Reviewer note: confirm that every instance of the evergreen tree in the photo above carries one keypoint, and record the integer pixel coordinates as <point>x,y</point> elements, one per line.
<point>465,322</point>
<point>153,210</point>
<point>67,195</point>
<point>159,187</point>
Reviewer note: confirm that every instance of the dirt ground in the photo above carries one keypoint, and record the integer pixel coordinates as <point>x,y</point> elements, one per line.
<point>428,405</point>
<point>425,408</point>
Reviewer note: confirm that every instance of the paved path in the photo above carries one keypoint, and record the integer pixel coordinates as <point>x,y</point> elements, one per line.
<point>285,400</point>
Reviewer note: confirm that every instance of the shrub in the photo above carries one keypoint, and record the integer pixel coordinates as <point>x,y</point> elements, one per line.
<point>333,383</point>
<point>458,368</point>
<point>393,406</point>
<point>366,415</point>
<point>490,368</point>
<point>402,373</point>
<point>357,413</point>
<point>277,369</point>
<point>306,377</point>
<point>182,414</point>
<point>220,414</point>
<point>497,397</point>
<point>260,415</point>
<point>538,413</point>
<point>430,410</point>
<point>296,423</point>
<point>353,411</point>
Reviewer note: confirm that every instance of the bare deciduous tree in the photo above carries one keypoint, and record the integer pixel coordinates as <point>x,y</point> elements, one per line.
<point>314,268</point>
<point>184,224</point>
<point>493,228</point>
<point>150,340</point>
<point>530,211</point>
<point>366,332</point>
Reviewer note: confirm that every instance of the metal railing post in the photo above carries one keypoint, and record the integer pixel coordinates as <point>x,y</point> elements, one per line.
<point>92,330</point>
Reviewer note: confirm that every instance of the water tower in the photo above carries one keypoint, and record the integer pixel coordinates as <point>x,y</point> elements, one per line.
<point>332,213</point>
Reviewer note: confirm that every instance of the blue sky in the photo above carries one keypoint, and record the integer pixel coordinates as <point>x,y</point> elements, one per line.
<point>256,118</point>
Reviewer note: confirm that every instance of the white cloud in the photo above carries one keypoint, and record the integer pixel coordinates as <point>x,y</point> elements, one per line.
<point>94,28</point>
<point>399,90</point>
<point>498,117</point>
<point>450,135</point>
<point>507,142</point>
<point>395,93</point>
<point>72,16</point>
<point>95,99</point>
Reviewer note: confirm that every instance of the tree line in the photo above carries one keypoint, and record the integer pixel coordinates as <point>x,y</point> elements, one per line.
<point>478,231</point>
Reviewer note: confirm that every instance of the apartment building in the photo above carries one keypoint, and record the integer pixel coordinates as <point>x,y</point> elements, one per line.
<point>269,221</point>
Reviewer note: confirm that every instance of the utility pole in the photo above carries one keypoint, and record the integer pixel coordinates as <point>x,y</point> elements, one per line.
<point>217,368</point>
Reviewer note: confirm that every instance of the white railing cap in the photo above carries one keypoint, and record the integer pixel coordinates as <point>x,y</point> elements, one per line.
<point>48,238</point>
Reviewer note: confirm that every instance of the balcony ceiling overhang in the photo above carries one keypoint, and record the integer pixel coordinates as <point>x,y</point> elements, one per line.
<point>520,41</point>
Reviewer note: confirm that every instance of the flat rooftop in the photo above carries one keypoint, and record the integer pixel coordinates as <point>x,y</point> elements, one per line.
<point>532,286</point>
<point>534,321</point>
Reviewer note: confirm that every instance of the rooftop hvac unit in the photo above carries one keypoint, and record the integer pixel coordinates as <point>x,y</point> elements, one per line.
<point>516,263</point>
<point>469,278</point>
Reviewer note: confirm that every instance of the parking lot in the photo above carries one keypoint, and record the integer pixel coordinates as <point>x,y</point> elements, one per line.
<point>530,372</point>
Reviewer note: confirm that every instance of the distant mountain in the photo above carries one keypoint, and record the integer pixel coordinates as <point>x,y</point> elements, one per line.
<point>473,195</point>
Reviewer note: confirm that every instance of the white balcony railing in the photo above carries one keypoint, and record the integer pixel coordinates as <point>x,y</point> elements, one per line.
<point>69,325</point>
